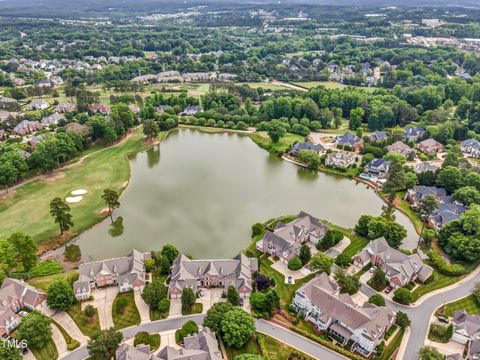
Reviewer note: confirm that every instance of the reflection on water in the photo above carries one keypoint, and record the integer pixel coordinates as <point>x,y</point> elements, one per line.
<point>207,191</point>
<point>116,227</point>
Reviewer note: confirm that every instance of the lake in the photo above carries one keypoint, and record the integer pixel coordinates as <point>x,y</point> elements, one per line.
<point>202,192</point>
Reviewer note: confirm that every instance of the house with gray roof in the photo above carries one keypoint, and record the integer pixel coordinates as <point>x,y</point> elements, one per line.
<point>15,295</point>
<point>286,240</point>
<point>414,133</point>
<point>340,159</point>
<point>129,352</point>
<point>7,103</point>
<point>378,136</point>
<point>448,210</point>
<point>399,147</point>
<point>473,350</point>
<point>471,147</point>
<point>128,273</point>
<point>399,269</point>
<point>191,110</point>
<point>426,166</point>
<point>415,195</point>
<point>319,301</point>
<point>197,274</point>
<point>38,104</point>
<point>378,168</point>
<point>429,146</point>
<point>201,346</point>
<point>53,119</point>
<point>25,127</point>
<point>348,139</point>
<point>307,145</point>
<point>466,327</point>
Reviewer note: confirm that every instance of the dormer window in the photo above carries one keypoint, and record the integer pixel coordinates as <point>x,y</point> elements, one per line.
<point>91,272</point>
<point>115,270</point>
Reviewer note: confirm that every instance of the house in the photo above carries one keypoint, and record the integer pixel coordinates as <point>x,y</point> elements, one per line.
<point>63,108</point>
<point>456,356</point>
<point>425,166</point>
<point>38,104</point>
<point>53,119</point>
<point>4,115</point>
<point>471,147</point>
<point>429,146</point>
<point>465,327</point>
<point>196,274</point>
<point>399,147</point>
<point>414,133</point>
<point>286,240</point>
<point>103,109</point>
<point>307,145</point>
<point>129,352</point>
<point>378,136</point>
<point>448,210</point>
<point>399,269</point>
<point>83,130</point>
<point>128,273</point>
<point>473,351</point>
<point>320,302</point>
<point>161,109</point>
<point>26,127</point>
<point>7,103</point>
<point>15,295</point>
<point>417,193</point>
<point>351,140</point>
<point>378,168</point>
<point>201,346</point>
<point>191,110</point>
<point>135,108</point>
<point>340,159</point>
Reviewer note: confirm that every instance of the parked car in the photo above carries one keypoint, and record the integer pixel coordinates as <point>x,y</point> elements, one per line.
<point>290,280</point>
<point>372,269</point>
<point>388,289</point>
<point>200,292</point>
<point>241,302</point>
<point>23,313</point>
<point>443,319</point>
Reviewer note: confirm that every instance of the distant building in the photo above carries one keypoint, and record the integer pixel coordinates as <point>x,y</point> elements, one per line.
<point>415,195</point>
<point>400,147</point>
<point>197,274</point>
<point>465,327</point>
<point>351,140</point>
<point>414,133</point>
<point>471,147</point>
<point>38,104</point>
<point>286,240</point>
<point>191,110</point>
<point>430,146</point>
<point>378,136</point>
<point>26,127</point>
<point>340,159</point>
<point>103,109</point>
<point>201,346</point>
<point>53,119</point>
<point>307,145</point>
<point>63,108</point>
<point>426,166</point>
<point>378,168</point>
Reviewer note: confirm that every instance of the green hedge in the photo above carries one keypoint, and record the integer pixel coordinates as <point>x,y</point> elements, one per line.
<point>45,268</point>
<point>263,348</point>
<point>443,267</point>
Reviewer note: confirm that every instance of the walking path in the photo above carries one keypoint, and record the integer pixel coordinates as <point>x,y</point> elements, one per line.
<point>59,340</point>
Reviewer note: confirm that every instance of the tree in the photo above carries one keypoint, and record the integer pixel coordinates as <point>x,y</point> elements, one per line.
<point>90,312</point>
<point>154,292</point>
<point>450,178</point>
<point>262,283</point>
<point>150,129</point>
<point>188,329</point>
<point>467,195</point>
<point>104,344</point>
<point>188,299</point>
<point>60,296</point>
<point>121,302</point>
<point>378,281</point>
<point>25,249</point>
<point>61,214</point>
<point>111,200</point>
<point>396,181</point>
<point>237,328</point>
<point>331,238</point>
<point>403,296</point>
<point>35,329</point>
<point>426,207</point>
<point>343,260</point>
<point>276,130</point>
<point>321,262</point>
<point>233,296</point>
<point>309,157</point>
<point>376,299</point>
<point>361,228</point>
<point>430,353</point>
<point>305,254</point>
<point>215,315</point>
<point>295,263</point>
<point>170,252</point>
<point>9,352</point>
<point>402,320</point>
<point>248,357</point>
<point>356,116</point>
<point>257,229</point>
<point>347,283</point>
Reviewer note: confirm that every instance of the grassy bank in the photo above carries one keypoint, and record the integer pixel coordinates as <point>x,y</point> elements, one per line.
<point>27,207</point>
<point>129,316</point>
<point>87,327</point>
<point>261,139</point>
<point>468,304</point>
<point>48,352</point>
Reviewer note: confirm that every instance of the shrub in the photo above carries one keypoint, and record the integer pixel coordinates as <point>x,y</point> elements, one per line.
<point>188,299</point>
<point>89,312</point>
<point>403,296</point>
<point>257,229</point>
<point>72,253</point>
<point>121,303</point>
<point>331,238</point>
<point>295,263</point>
<point>45,268</point>
<point>343,260</point>
<point>149,265</point>
<point>189,328</point>
<point>440,333</point>
<point>377,299</point>
<point>262,282</point>
<point>443,267</point>
<point>164,305</point>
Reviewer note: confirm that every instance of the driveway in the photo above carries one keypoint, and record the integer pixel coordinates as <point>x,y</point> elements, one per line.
<point>59,340</point>
<point>103,301</point>
<point>175,308</point>
<point>283,269</point>
<point>334,251</point>
<point>66,322</point>
<point>142,307</point>
<point>210,297</point>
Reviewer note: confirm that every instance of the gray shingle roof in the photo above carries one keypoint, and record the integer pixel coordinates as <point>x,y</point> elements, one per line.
<point>201,346</point>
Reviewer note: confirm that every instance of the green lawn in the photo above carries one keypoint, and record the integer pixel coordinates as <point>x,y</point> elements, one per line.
<point>405,207</point>
<point>264,85</point>
<point>468,304</point>
<point>261,139</point>
<point>249,348</point>
<point>197,308</point>
<point>329,85</point>
<point>71,342</point>
<point>357,242</point>
<point>392,346</point>
<point>44,281</point>
<point>129,316</point>
<point>277,350</point>
<point>48,352</point>
<point>88,328</point>
<point>108,168</point>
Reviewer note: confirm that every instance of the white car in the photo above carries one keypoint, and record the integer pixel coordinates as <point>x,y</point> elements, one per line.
<point>23,313</point>
<point>372,269</point>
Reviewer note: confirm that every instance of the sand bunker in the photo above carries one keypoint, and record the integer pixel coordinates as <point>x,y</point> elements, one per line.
<point>79,192</point>
<point>73,199</point>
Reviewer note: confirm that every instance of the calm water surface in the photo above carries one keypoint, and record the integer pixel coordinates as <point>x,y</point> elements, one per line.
<point>202,192</point>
